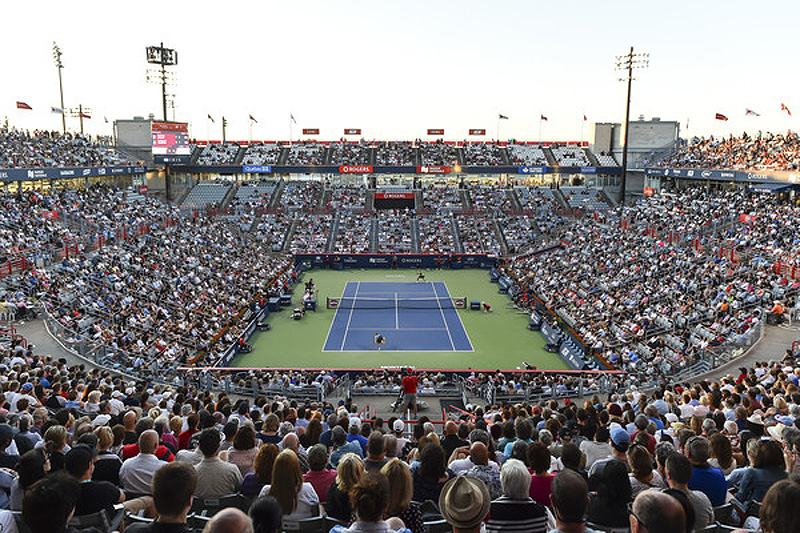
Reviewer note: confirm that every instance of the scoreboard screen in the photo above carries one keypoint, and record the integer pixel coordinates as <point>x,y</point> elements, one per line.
<point>171,138</point>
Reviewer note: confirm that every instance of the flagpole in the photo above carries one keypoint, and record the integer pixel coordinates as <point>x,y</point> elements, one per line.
<point>250,130</point>
<point>540,129</point>
<point>291,119</point>
<point>498,128</point>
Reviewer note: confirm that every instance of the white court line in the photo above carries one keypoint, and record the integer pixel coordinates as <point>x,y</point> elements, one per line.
<point>396,313</point>
<point>461,322</point>
<point>446,327</point>
<point>349,317</point>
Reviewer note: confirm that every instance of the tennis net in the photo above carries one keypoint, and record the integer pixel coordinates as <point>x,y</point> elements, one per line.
<point>432,302</point>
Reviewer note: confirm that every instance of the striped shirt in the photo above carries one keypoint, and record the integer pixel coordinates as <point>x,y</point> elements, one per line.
<point>521,516</point>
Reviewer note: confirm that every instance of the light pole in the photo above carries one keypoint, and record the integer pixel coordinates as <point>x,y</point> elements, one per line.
<point>627,63</point>
<point>59,66</point>
<point>158,55</point>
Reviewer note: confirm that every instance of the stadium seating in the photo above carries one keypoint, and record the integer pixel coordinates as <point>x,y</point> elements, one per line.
<point>206,193</point>
<point>218,154</point>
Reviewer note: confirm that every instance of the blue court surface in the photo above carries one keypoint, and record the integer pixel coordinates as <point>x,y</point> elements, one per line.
<point>418,317</point>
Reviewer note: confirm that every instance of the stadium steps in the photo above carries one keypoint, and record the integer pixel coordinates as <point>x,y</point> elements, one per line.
<point>417,156</point>
<point>237,159</point>
<point>501,237</point>
<point>460,156</point>
<point>512,196</point>
<point>504,155</point>
<point>276,195</point>
<point>466,201</point>
<point>414,235</point>
<point>560,199</point>
<point>418,202</point>
<point>372,155</point>
<point>290,232</point>
<point>284,155</point>
<point>456,235</point>
<point>551,160</point>
<point>373,235</point>
<point>608,197</point>
<point>326,194</point>
<point>195,155</point>
<point>332,234</point>
<point>591,157</point>
<point>369,201</point>
<point>229,196</point>
<point>328,155</point>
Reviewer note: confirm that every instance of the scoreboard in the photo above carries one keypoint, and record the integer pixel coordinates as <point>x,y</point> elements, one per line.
<point>170,138</point>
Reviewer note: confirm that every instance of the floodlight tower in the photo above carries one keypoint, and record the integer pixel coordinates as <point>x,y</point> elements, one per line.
<point>627,63</point>
<point>59,65</point>
<point>166,57</point>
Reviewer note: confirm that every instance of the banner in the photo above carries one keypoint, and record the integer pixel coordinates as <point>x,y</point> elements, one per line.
<point>433,170</point>
<point>747,219</point>
<point>355,169</point>
<point>49,215</point>
<point>172,159</point>
<point>477,132</point>
<point>532,170</point>
<point>649,191</point>
<point>143,189</point>
<point>26,174</point>
<point>435,131</point>
<point>257,169</point>
<point>310,131</point>
<point>394,195</point>
<point>352,131</point>
<point>774,176</point>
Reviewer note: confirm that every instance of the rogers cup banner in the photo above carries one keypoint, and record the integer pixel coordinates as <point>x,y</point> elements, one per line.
<point>355,169</point>
<point>435,131</point>
<point>310,131</point>
<point>352,131</point>
<point>477,132</point>
<point>394,195</point>
<point>433,170</point>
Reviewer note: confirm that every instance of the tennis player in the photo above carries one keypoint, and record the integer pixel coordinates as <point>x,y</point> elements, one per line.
<point>380,340</point>
<point>421,276</point>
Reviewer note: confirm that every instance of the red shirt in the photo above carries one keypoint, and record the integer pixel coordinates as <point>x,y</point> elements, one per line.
<point>410,384</point>
<point>183,438</point>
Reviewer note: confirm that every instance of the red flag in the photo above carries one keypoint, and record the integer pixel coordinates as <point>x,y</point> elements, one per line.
<point>23,105</point>
<point>720,116</point>
<point>542,117</point>
<point>584,118</point>
<point>84,115</point>
<point>254,120</point>
<point>783,108</point>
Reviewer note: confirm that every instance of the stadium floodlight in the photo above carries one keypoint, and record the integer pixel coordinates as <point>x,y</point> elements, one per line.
<point>165,57</point>
<point>60,65</point>
<point>627,63</point>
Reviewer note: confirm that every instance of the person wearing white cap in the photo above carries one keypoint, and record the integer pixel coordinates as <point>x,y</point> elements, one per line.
<point>398,426</point>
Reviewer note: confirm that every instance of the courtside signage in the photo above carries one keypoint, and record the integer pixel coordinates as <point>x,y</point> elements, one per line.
<point>355,169</point>
<point>433,170</point>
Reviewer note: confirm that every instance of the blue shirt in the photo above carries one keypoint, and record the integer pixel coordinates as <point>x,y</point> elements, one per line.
<point>711,482</point>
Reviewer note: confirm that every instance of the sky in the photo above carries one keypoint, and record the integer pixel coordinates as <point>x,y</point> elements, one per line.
<point>395,69</point>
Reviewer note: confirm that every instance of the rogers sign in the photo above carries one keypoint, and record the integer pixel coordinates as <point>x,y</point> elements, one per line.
<point>433,170</point>
<point>355,169</point>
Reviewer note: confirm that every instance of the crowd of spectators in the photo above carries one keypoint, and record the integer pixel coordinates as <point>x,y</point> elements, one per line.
<point>395,231</point>
<point>478,235</point>
<point>441,196</point>
<point>262,154</point>
<point>42,149</point>
<point>272,230</point>
<point>436,234</point>
<point>484,154</point>
<point>685,455</point>
<point>311,233</point>
<point>526,154</point>
<point>395,153</point>
<point>438,153</point>
<point>770,151</point>
<point>218,154</point>
<point>345,196</point>
<point>486,197</point>
<point>570,156</point>
<point>302,195</point>
<point>350,153</point>
<point>307,153</point>
<point>354,233</point>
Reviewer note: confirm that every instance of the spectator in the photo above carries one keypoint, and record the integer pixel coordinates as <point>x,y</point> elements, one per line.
<point>244,450</point>
<point>479,455</point>
<point>705,478</point>
<point>292,442</point>
<point>514,509</point>
<point>262,470</point>
<point>31,467</point>
<point>136,474</point>
<point>173,489</point>
<point>94,495</point>
<point>464,502</point>
<point>768,468</point>
<point>50,503</point>
<point>229,520</point>
<point>401,489</point>
<point>369,499</point>
<point>541,480</point>
<point>642,476</point>
<point>431,475</point>
<point>341,446</point>
<point>298,500</point>
<point>319,475</point>
<point>611,494</point>
<point>679,472</point>
<point>266,515</point>
<point>570,499</point>
<point>337,503</point>
<point>376,452</point>
<point>596,449</point>
<point>778,513</point>
<point>215,478</point>
<point>657,512</point>
<point>107,464</point>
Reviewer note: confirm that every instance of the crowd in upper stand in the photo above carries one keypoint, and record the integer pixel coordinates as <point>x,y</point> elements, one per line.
<point>770,151</point>
<point>32,149</point>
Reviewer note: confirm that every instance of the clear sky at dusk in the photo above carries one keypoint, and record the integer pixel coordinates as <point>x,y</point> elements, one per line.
<point>395,69</point>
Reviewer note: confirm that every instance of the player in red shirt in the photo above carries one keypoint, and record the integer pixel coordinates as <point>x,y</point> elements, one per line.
<point>409,384</point>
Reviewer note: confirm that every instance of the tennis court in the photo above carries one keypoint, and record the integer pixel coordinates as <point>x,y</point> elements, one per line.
<point>411,316</point>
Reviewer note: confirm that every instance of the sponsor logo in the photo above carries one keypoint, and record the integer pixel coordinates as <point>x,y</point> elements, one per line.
<point>433,170</point>
<point>117,170</point>
<point>435,131</point>
<point>37,174</point>
<point>310,131</point>
<point>756,176</point>
<point>706,174</point>
<point>588,170</point>
<point>355,169</point>
<point>101,171</point>
<point>352,131</point>
<point>86,171</point>
<point>379,260</point>
<point>4,175</point>
<point>350,260</point>
<point>477,131</point>
<point>531,170</point>
<point>258,169</point>
<point>690,173</point>
<point>66,172</point>
<point>394,195</point>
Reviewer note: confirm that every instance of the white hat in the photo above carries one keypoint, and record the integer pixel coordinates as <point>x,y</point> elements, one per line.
<point>671,418</point>
<point>398,426</point>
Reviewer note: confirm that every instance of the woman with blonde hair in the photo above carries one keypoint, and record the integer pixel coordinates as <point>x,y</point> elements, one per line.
<point>107,464</point>
<point>55,439</point>
<point>348,473</point>
<point>401,489</point>
<point>297,499</point>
